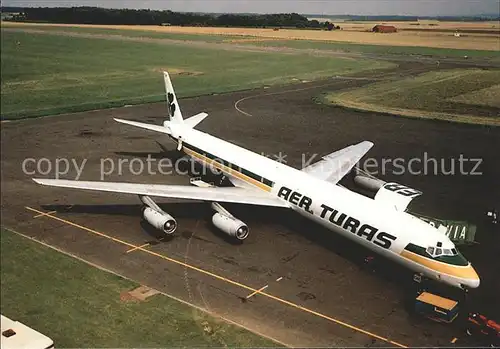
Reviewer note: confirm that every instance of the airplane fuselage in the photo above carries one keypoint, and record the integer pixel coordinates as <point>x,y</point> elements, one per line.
<point>378,227</point>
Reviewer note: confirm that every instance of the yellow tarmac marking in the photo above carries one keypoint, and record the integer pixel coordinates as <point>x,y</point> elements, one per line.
<point>44,214</point>
<point>138,247</point>
<point>218,277</point>
<point>257,291</point>
<point>262,288</point>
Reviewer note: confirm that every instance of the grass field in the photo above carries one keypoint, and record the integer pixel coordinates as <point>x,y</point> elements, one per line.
<point>440,95</point>
<point>489,96</point>
<point>44,74</point>
<point>136,31</point>
<point>80,306</point>
<point>427,38</point>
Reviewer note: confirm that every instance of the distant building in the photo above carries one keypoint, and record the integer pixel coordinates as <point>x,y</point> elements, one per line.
<point>384,29</point>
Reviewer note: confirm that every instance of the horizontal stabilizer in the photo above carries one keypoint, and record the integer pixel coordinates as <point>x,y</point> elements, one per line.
<point>195,120</point>
<point>151,127</point>
<point>220,194</point>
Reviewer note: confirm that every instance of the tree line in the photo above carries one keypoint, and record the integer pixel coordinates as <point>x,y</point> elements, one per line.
<point>97,15</point>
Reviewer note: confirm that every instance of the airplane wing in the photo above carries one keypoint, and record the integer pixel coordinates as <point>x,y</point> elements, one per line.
<point>333,167</point>
<point>219,194</point>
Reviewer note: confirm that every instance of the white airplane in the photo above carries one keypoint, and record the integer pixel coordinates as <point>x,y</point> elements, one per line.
<point>380,224</point>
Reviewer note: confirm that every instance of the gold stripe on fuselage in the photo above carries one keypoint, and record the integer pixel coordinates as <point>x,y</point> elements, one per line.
<point>465,272</point>
<point>226,169</point>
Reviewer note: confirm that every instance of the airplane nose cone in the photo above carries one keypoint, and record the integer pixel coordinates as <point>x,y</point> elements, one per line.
<point>473,281</point>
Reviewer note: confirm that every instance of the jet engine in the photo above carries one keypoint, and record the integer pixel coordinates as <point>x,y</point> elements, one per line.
<point>393,194</point>
<point>160,220</point>
<point>231,226</point>
<point>369,183</point>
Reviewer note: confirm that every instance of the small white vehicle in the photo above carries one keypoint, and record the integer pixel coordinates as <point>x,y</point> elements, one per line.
<point>16,335</point>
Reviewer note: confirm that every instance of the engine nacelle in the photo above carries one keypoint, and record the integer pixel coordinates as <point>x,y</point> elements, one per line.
<point>161,221</point>
<point>231,226</point>
<point>369,183</point>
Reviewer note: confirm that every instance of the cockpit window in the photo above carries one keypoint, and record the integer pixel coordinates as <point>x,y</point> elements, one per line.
<point>450,256</point>
<point>438,251</point>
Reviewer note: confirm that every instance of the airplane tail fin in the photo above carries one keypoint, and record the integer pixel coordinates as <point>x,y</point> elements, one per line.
<point>174,112</point>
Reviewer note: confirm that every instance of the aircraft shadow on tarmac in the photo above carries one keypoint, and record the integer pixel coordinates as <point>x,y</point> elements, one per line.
<point>180,210</point>
<point>165,153</point>
<point>189,167</point>
<point>157,156</point>
<point>252,215</point>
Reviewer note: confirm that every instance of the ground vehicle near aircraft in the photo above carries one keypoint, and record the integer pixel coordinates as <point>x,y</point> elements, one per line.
<point>480,326</point>
<point>379,224</point>
<point>16,335</point>
<point>436,308</point>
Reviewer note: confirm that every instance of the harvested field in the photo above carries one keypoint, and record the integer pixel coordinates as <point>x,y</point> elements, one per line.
<point>430,25</point>
<point>430,38</point>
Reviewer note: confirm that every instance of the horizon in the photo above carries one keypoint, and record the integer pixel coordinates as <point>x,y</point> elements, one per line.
<point>368,8</point>
<point>267,13</point>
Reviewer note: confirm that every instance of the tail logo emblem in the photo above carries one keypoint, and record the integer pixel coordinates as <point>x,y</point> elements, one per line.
<point>171,104</point>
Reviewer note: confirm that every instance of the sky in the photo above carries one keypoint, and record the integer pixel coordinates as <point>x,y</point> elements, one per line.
<point>327,7</point>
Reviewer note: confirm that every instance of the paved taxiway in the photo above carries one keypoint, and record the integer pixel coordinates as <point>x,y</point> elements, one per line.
<point>290,280</point>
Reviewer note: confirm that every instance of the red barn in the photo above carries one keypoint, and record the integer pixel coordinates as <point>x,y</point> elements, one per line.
<point>384,29</point>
